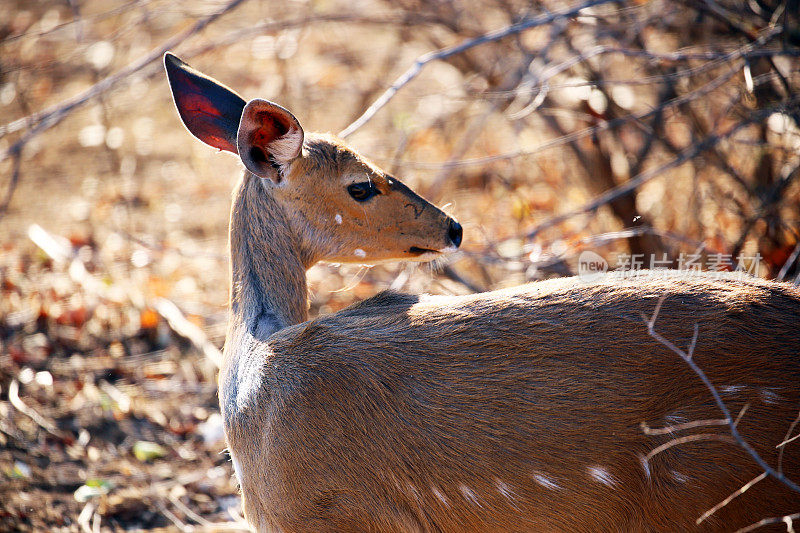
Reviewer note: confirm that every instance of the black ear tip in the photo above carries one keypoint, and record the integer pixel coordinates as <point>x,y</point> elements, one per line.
<point>171,61</point>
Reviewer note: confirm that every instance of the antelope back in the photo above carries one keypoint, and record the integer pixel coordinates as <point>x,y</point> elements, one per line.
<point>522,410</point>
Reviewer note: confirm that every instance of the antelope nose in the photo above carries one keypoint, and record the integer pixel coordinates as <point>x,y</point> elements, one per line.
<point>455,232</point>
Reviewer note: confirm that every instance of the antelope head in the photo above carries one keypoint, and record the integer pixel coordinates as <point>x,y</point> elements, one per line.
<point>340,206</point>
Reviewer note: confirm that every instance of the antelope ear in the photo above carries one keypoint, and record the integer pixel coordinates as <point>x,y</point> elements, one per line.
<point>209,110</point>
<point>269,138</point>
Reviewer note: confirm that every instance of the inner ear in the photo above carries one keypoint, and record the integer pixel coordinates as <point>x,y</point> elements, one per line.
<point>269,138</point>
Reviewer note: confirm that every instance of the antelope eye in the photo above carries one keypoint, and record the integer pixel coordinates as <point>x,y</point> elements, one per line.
<point>361,192</point>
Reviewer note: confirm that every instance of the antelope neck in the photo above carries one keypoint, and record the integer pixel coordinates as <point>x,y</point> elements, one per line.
<point>268,281</point>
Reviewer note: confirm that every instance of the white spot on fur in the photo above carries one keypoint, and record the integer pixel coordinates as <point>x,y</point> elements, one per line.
<point>359,252</point>
<point>413,491</point>
<point>441,497</point>
<point>248,371</point>
<point>503,489</point>
<point>469,495</point>
<point>645,465</point>
<point>545,481</point>
<point>237,469</point>
<point>677,476</point>
<point>675,419</point>
<point>601,475</point>
<point>732,389</point>
<point>338,219</point>
<point>769,396</point>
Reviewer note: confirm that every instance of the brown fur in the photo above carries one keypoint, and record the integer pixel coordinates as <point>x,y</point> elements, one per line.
<point>372,411</point>
<point>515,410</point>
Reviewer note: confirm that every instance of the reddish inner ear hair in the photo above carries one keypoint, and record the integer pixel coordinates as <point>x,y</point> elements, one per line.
<point>269,136</point>
<point>272,128</point>
<point>197,103</point>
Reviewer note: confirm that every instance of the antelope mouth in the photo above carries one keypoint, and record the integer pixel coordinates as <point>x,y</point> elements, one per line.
<point>414,250</point>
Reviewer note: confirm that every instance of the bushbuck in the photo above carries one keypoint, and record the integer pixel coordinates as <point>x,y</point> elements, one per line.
<point>515,410</point>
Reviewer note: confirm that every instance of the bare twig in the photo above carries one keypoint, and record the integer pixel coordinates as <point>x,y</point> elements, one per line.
<point>748,30</point>
<point>160,248</point>
<point>205,526</point>
<point>688,438</point>
<point>213,527</point>
<point>96,17</point>
<point>788,520</point>
<point>673,57</point>
<point>744,488</point>
<point>78,18</point>
<point>448,272</point>
<point>19,405</point>
<point>643,230</point>
<point>187,511</point>
<point>53,115</point>
<point>177,522</point>
<point>666,430</point>
<point>301,22</point>
<point>444,53</point>
<point>416,68</point>
<point>789,262</point>
<point>741,414</point>
<point>86,514</point>
<point>184,328</point>
<point>713,58</point>
<point>13,181</point>
<point>467,139</point>
<point>787,440</point>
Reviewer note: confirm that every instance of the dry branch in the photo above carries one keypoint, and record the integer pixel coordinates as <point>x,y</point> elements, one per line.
<point>741,490</point>
<point>411,19</point>
<point>444,53</point>
<point>586,132</point>
<point>788,263</point>
<point>183,327</point>
<point>76,21</point>
<point>44,120</point>
<point>788,520</point>
<point>48,118</point>
<point>19,405</point>
<point>687,154</point>
<point>666,430</point>
<point>787,441</point>
<point>698,437</point>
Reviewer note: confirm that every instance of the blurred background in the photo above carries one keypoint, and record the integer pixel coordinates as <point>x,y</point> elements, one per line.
<point>637,130</point>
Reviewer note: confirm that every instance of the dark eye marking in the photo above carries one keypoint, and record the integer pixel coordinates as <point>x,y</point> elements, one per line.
<point>417,210</point>
<point>361,192</point>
